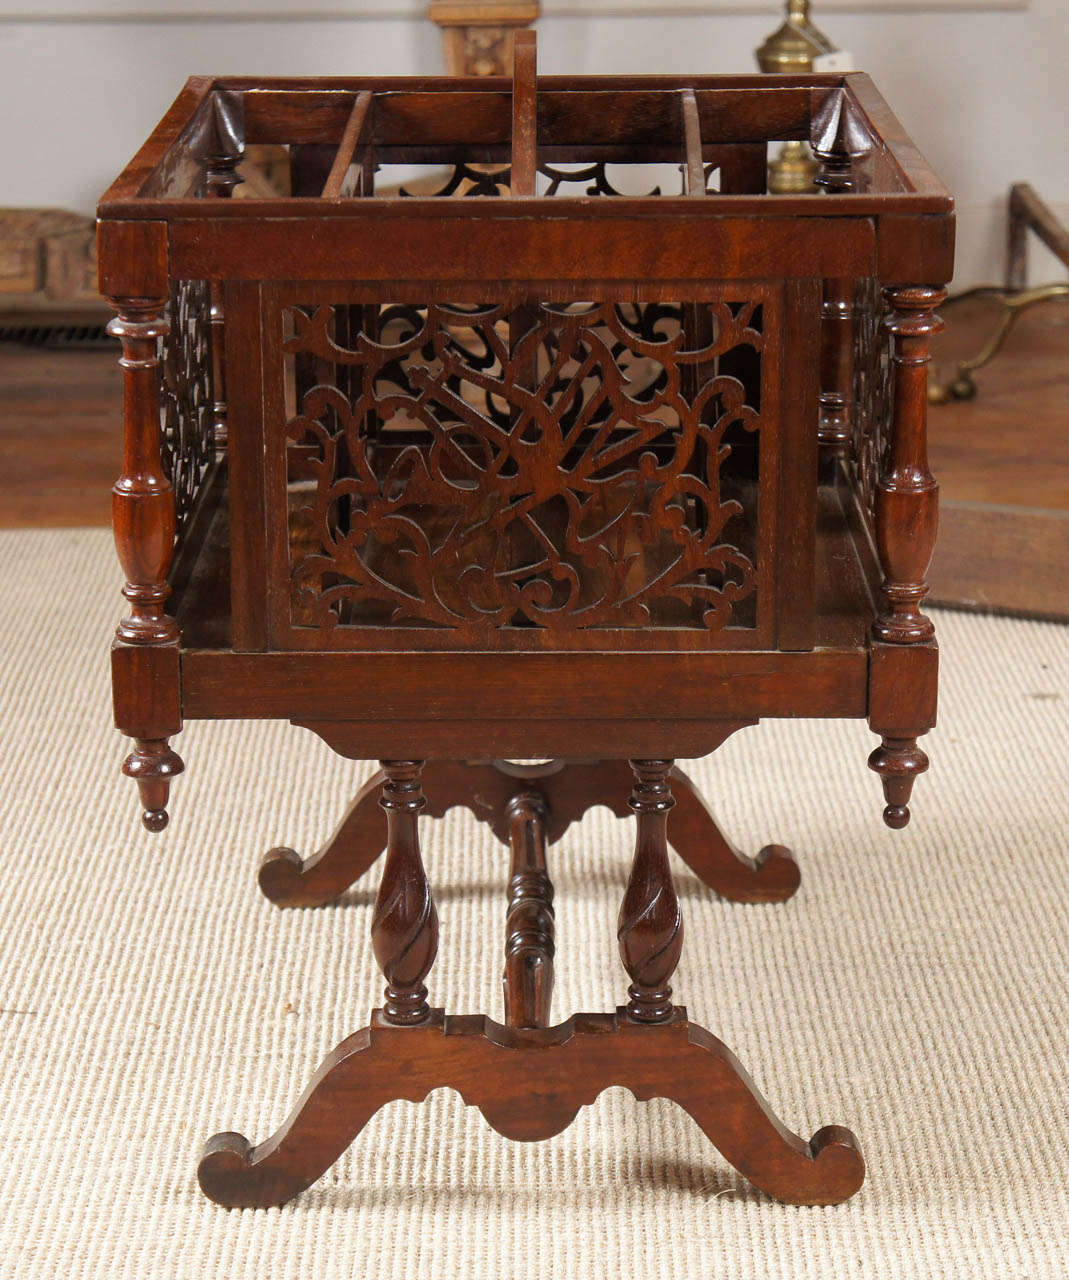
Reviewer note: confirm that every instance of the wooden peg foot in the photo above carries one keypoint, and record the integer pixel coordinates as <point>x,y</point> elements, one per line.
<point>153,765</point>
<point>899,761</point>
<point>529,1085</point>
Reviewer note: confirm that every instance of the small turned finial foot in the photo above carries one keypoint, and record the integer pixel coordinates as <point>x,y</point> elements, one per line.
<point>152,764</point>
<point>898,762</point>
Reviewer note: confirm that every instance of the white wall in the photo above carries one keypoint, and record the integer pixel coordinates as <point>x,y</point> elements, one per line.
<point>985,95</point>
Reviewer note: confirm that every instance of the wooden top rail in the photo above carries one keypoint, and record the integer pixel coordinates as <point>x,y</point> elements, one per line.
<point>548,119</point>
<point>355,128</point>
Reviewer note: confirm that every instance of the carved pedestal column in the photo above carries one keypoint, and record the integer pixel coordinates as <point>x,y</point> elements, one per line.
<point>650,927</point>
<point>404,929</point>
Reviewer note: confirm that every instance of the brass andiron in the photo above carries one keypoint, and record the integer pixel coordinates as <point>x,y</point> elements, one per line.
<point>1027,212</point>
<point>790,50</point>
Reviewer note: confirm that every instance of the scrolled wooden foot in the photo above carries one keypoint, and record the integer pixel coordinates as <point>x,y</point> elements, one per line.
<point>772,876</point>
<point>152,764</point>
<point>290,881</point>
<point>898,761</point>
<point>529,1085</point>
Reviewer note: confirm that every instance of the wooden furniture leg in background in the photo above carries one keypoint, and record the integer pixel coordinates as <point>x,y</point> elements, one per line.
<point>567,789</point>
<point>528,1078</point>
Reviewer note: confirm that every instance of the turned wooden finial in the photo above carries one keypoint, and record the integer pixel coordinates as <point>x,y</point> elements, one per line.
<point>898,761</point>
<point>906,518</point>
<point>404,929</point>
<point>650,928</point>
<point>152,764</point>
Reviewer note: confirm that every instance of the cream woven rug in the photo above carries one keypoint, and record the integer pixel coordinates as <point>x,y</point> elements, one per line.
<point>915,990</point>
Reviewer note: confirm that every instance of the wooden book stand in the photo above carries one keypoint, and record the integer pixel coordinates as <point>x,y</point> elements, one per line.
<point>551,472</point>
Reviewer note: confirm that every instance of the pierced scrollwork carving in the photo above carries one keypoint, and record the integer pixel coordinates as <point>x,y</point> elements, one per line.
<point>468,180</point>
<point>871,443</point>
<point>187,412</point>
<point>557,466</point>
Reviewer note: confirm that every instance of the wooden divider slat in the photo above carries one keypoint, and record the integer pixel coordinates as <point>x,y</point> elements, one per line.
<point>524,115</point>
<point>692,140</point>
<point>357,122</point>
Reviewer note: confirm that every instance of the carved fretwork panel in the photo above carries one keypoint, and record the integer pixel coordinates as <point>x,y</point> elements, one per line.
<point>872,391</point>
<point>524,475</point>
<point>186,413</point>
<point>596,178</point>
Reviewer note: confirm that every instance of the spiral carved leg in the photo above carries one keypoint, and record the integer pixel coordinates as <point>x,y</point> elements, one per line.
<point>650,928</point>
<point>152,764</point>
<point>529,1084</point>
<point>404,928</point>
<point>898,762</point>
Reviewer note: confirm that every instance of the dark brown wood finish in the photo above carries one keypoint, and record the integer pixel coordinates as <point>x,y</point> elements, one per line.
<point>650,929</point>
<point>529,1085</point>
<point>529,926</point>
<point>565,791</point>
<point>404,930</point>
<point>549,470</point>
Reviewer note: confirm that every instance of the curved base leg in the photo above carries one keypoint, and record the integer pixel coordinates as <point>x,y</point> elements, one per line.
<point>772,876</point>
<point>568,788</point>
<point>529,1084</point>
<point>291,881</point>
<point>485,787</point>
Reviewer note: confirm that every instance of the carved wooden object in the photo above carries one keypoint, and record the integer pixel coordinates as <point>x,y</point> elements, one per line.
<point>566,789</point>
<point>529,927</point>
<point>404,930</point>
<point>550,458</point>
<point>650,929</point>
<point>479,35</point>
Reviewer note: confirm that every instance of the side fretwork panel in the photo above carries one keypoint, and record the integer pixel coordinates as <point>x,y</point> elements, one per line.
<point>523,474</point>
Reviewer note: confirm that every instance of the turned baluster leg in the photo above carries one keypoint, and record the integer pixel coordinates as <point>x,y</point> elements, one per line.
<point>650,928</point>
<point>907,512</point>
<point>143,514</point>
<point>404,929</point>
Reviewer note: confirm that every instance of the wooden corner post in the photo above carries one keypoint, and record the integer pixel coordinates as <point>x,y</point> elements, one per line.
<point>134,279</point>
<point>904,657</point>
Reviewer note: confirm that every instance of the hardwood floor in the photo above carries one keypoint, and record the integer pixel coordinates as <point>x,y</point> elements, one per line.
<point>1003,465</point>
<point>1002,459</point>
<point>59,436</point>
